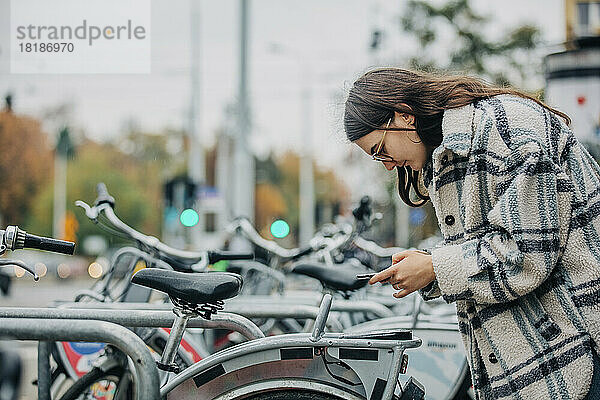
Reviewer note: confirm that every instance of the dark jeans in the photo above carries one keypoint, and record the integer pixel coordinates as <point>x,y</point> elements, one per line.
<point>594,393</point>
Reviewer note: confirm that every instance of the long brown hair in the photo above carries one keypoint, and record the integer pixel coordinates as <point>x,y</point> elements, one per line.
<point>379,93</point>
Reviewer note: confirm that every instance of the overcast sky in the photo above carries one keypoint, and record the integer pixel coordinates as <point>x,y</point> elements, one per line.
<point>328,38</point>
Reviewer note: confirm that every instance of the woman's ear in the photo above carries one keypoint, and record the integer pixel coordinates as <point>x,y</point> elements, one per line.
<point>406,118</point>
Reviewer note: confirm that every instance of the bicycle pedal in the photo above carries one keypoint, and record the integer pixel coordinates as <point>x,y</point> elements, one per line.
<point>168,367</point>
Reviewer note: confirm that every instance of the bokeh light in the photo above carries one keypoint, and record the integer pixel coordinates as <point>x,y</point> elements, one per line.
<point>19,272</point>
<point>63,271</point>
<point>41,269</point>
<point>95,270</point>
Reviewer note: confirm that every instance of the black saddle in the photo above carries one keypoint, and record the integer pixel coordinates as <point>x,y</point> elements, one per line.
<point>342,278</point>
<point>194,288</point>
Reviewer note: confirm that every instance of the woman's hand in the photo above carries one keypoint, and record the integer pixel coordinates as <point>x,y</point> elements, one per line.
<point>411,270</point>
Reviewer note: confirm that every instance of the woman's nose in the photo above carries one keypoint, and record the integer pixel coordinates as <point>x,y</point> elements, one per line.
<point>389,165</point>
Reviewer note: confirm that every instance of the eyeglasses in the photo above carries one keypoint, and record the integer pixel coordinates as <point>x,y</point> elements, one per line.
<point>378,155</point>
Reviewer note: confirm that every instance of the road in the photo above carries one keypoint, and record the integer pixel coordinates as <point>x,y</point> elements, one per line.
<point>27,293</point>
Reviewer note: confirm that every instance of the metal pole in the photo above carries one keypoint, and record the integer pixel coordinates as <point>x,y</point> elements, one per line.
<point>60,194</point>
<point>222,178</point>
<point>236,319</point>
<point>244,162</point>
<point>196,167</point>
<point>44,379</point>
<point>146,374</point>
<point>307,184</point>
<point>402,222</point>
<point>134,318</point>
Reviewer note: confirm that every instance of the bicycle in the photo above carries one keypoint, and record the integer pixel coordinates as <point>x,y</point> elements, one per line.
<point>324,365</point>
<point>75,360</point>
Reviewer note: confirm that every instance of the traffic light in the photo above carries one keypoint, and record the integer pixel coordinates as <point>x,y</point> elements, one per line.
<point>280,229</point>
<point>180,200</point>
<point>180,192</point>
<point>189,217</point>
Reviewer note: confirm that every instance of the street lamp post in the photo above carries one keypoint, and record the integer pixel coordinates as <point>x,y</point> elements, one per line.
<point>307,177</point>
<point>243,201</point>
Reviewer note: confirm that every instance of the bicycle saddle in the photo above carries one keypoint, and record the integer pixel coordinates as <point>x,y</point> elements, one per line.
<point>337,278</point>
<point>195,288</point>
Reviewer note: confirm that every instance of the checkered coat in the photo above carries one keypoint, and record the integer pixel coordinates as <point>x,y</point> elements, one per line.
<point>517,198</point>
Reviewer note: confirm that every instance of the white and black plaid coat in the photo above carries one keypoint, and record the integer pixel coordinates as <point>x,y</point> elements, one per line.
<point>517,198</point>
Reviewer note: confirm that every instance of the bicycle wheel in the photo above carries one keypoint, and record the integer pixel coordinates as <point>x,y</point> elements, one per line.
<point>290,394</point>
<point>101,385</point>
<point>464,392</point>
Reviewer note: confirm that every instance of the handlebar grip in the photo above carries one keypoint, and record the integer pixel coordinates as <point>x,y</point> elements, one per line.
<point>214,256</point>
<point>101,189</point>
<point>302,252</point>
<point>103,195</point>
<point>48,244</point>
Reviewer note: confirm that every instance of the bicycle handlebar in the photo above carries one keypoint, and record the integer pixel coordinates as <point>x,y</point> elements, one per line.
<point>374,248</point>
<point>13,238</point>
<point>103,196</point>
<point>16,238</point>
<point>258,240</point>
<point>214,256</point>
<point>49,244</point>
<point>303,252</point>
<point>105,204</point>
<point>317,243</point>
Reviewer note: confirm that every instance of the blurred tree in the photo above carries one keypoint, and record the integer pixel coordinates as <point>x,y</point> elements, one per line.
<point>25,165</point>
<point>270,204</point>
<point>155,148</point>
<point>454,24</point>
<point>135,184</point>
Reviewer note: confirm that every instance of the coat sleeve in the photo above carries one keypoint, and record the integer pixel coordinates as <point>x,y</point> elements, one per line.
<point>527,230</point>
<point>431,291</point>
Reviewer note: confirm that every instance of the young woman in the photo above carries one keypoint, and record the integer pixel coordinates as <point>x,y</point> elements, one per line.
<point>517,198</point>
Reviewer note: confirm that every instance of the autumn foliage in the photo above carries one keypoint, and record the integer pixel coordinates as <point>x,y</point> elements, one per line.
<point>25,165</point>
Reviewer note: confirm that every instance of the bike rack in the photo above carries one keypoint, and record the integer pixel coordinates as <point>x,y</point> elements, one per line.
<point>48,330</point>
<point>279,311</point>
<point>134,317</point>
<point>377,309</point>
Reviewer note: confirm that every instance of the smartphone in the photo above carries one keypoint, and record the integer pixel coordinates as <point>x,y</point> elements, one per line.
<point>362,277</point>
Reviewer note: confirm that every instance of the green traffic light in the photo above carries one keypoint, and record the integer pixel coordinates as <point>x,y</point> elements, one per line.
<point>280,229</point>
<point>189,217</point>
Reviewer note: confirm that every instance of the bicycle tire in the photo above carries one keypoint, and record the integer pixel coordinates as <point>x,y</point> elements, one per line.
<point>60,380</point>
<point>95,375</point>
<point>292,394</point>
<point>463,392</point>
